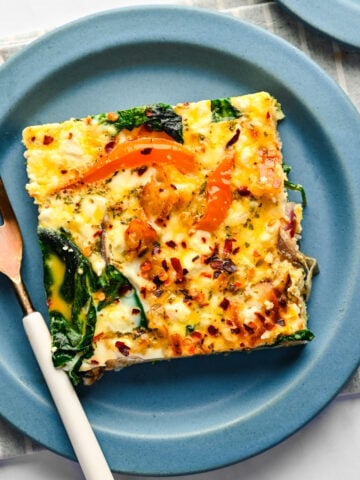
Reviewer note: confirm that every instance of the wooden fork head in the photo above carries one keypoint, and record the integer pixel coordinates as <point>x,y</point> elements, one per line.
<point>10,239</point>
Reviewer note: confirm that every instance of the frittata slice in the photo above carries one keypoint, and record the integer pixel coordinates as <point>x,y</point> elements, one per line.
<point>166,231</point>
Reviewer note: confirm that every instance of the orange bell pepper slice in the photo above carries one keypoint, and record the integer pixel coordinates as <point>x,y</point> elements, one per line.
<point>219,196</point>
<point>140,152</point>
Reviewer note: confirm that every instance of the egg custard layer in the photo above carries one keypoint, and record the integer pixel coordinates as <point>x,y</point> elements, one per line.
<point>166,231</point>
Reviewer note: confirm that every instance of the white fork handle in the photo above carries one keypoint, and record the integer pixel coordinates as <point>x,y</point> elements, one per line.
<point>82,437</point>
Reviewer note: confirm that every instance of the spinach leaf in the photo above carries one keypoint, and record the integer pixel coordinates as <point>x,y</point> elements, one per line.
<point>72,304</point>
<point>189,329</point>
<point>71,345</point>
<point>159,117</point>
<point>73,327</point>
<point>298,188</point>
<point>113,284</point>
<point>78,270</point>
<point>304,335</point>
<point>294,186</point>
<point>222,110</point>
<point>162,117</point>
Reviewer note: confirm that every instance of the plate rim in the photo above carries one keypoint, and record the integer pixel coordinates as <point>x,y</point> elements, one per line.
<point>322,22</point>
<point>41,43</point>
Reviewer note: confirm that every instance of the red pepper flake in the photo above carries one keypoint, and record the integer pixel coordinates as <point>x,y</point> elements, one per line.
<point>123,348</point>
<point>146,151</point>
<point>228,246</point>
<point>233,139</point>
<point>224,304</point>
<point>165,265</point>
<point>248,329</point>
<point>135,311</point>
<point>215,263</point>
<point>175,262</point>
<point>123,291</point>
<point>171,244</point>
<point>233,287</point>
<point>206,274</point>
<point>269,325</point>
<point>109,146</point>
<point>33,138</point>
<point>291,225</point>
<point>260,317</point>
<point>235,330</point>
<point>243,191</point>
<point>142,170</point>
<point>196,334</point>
<point>98,233</point>
<point>70,136</point>
<point>98,337</point>
<point>212,330</point>
<point>63,172</point>
<point>146,266</point>
<point>183,244</point>
<point>176,343</point>
<point>47,139</point>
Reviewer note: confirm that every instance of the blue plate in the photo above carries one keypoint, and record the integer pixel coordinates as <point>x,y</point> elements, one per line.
<point>339,19</point>
<point>201,413</point>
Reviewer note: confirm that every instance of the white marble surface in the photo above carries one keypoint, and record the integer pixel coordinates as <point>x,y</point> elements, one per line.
<point>327,448</point>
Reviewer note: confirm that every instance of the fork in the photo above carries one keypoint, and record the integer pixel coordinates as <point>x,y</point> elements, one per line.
<point>77,425</point>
